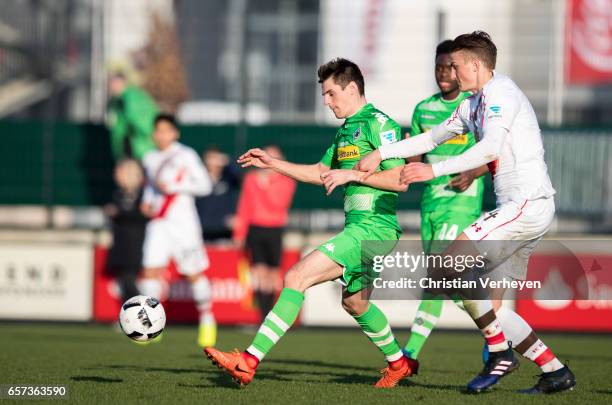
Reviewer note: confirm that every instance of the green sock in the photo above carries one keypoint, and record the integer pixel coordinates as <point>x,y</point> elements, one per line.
<point>425,320</point>
<point>374,324</point>
<point>278,320</point>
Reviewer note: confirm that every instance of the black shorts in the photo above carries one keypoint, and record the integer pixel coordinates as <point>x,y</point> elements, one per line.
<point>265,245</point>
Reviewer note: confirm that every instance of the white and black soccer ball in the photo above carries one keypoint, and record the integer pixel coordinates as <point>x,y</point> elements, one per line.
<point>142,318</point>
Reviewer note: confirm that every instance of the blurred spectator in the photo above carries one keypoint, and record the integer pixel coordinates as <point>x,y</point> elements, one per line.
<point>131,112</point>
<point>260,221</point>
<point>128,226</point>
<point>217,209</point>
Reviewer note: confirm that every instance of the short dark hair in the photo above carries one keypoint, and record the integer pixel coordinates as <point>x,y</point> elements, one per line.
<point>343,71</point>
<point>169,118</point>
<point>444,47</point>
<point>480,44</point>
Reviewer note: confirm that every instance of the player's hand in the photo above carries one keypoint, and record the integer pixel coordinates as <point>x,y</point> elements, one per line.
<point>334,178</point>
<point>462,181</point>
<point>416,172</point>
<point>146,209</point>
<point>256,157</point>
<point>163,188</point>
<point>369,164</point>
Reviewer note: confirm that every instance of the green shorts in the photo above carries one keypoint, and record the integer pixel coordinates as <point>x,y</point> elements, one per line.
<point>346,249</point>
<point>443,225</point>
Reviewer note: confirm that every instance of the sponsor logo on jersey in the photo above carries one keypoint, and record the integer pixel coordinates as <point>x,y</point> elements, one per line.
<point>330,247</point>
<point>494,112</point>
<point>387,137</point>
<point>356,134</point>
<point>380,117</point>
<point>458,140</point>
<point>348,152</point>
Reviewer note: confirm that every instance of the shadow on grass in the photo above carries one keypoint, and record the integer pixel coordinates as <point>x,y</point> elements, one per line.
<point>97,379</point>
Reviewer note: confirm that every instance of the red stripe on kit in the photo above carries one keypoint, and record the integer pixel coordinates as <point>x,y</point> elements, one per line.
<point>497,339</point>
<point>544,358</point>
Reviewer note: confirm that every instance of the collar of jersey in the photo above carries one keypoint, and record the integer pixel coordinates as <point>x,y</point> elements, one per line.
<point>366,106</point>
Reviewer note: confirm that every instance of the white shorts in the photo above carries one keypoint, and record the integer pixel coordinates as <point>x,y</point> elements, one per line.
<point>510,233</point>
<point>164,240</point>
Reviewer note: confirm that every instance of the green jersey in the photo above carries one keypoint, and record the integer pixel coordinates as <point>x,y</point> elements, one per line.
<point>361,134</point>
<point>437,194</point>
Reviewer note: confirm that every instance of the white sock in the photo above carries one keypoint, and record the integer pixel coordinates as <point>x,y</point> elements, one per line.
<point>515,328</point>
<point>202,295</point>
<point>151,287</point>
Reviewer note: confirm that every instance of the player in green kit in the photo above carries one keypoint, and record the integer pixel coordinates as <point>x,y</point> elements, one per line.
<point>369,207</point>
<point>449,203</point>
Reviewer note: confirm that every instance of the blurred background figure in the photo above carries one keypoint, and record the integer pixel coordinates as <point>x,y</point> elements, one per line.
<point>260,221</point>
<point>175,175</point>
<point>131,112</point>
<point>217,209</point>
<point>128,227</point>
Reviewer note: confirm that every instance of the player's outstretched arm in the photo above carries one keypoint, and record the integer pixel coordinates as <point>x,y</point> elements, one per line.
<point>305,173</point>
<point>413,146</point>
<point>384,180</point>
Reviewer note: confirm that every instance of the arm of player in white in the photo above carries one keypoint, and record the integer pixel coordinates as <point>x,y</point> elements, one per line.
<point>426,142</point>
<point>196,180</point>
<point>485,151</point>
<point>416,145</point>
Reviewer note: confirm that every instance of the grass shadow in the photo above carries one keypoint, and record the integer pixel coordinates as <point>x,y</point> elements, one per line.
<point>97,379</point>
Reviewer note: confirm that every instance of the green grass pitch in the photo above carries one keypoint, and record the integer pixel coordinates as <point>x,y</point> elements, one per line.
<point>101,365</point>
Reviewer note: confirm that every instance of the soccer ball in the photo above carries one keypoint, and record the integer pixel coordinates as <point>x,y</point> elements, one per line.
<point>142,318</point>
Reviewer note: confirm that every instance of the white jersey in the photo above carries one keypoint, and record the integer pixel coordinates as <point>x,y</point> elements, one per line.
<point>519,172</point>
<point>180,170</point>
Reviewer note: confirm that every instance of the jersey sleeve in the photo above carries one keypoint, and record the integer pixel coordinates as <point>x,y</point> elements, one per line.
<point>329,158</point>
<point>457,123</point>
<point>385,134</point>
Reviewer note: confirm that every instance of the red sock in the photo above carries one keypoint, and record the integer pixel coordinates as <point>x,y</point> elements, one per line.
<point>397,364</point>
<point>251,360</point>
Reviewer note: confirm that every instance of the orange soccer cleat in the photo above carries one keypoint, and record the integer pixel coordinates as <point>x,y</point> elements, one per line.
<point>392,377</point>
<point>233,363</point>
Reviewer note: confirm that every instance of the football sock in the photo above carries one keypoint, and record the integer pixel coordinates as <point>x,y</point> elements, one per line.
<point>283,315</point>
<point>202,293</point>
<point>375,325</point>
<point>526,342</point>
<point>425,320</point>
<point>483,315</point>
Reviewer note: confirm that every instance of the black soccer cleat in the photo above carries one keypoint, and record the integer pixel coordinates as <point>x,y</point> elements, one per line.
<point>498,365</point>
<point>555,381</point>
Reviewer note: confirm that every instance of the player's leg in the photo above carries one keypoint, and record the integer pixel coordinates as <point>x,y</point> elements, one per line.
<point>155,257</point>
<point>478,305</point>
<point>555,376</point>
<point>354,249</point>
<point>375,325</point>
<point>435,227</point>
<point>313,269</point>
<point>257,248</point>
<point>270,262</point>
<point>192,261</point>
<point>516,230</point>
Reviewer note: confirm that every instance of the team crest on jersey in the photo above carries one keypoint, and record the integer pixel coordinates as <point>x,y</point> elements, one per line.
<point>387,137</point>
<point>348,152</point>
<point>356,134</point>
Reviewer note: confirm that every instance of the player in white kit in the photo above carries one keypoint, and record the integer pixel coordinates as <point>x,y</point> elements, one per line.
<point>175,175</point>
<point>509,142</point>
